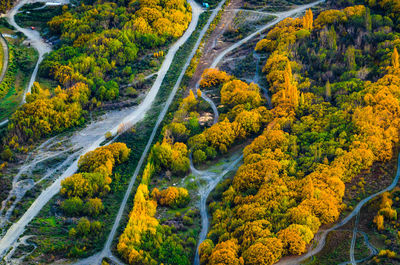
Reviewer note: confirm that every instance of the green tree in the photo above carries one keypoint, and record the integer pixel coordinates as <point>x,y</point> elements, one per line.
<point>199,156</point>
<point>83,227</point>
<point>72,206</point>
<point>94,206</point>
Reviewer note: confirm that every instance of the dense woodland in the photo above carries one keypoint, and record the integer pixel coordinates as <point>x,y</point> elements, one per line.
<point>82,195</point>
<point>100,43</point>
<point>328,122</point>
<point>334,80</point>
<point>146,240</point>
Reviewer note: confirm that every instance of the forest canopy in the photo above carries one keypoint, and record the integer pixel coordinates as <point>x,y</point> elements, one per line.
<point>99,45</point>
<point>327,124</point>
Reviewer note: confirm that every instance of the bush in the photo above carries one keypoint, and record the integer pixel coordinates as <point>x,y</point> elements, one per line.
<point>95,227</point>
<point>213,77</point>
<point>108,135</point>
<point>187,220</point>
<point>72,232</point>
<point>76,252</point>
<point>7,154</point>
<point>72,206</point>
<point>199,156</point>
<point>83,227</point>
<point>94,206</point>
<point>131,92</point>
<point>174,197</point>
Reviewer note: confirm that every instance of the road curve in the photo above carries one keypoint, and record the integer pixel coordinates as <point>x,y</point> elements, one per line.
<point>16,230</point>
<point>354,239</point>
<point>204,193</point>
<point>5,58</point>
<point>280,16</point>
<point>209,101</point>
<point>33,38</point>
<point>372,250</point>
<point>322,239</point>
<point>106,252</point>
<point>213,106</point>
<point>4,68</point>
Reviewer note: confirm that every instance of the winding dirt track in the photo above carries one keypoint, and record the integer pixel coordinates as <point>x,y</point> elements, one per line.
<point>5,58</point>
<point>208,176</point>
<point>322,238</point>
<point>33,38</point>
<point>280,16</point>
<point>16,230</point>
<point>4,68</point>
<point>212,180</point>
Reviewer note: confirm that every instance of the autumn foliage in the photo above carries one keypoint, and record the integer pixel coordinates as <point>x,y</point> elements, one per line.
<point>174,197</point>
<point>245,117</point>
<point>327,125</point>
<point>99,45</point>
<point>213,77</point>
<point>171,156</point>
<point>43,115</point>
<point>316,138</point>
<point>95,169</point>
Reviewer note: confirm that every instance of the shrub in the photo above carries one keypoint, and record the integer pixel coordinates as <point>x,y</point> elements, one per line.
<point>174,197</point>
<point>72,206</point>
<point>83,227</point>
<point>199,156</point>
<point>94,206</point>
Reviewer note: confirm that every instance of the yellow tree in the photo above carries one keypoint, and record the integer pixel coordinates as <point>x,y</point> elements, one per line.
<point>226,253</point>
<point>395,59</point>
<point>205,250</point>
<point>290,93</point>
<point>266,251</point>
<point>308,20</point>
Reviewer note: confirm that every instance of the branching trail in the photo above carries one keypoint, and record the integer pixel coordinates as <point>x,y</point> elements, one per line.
<point>15,231</point>
<point>354,239</point>
<point>213,106</point>
<point>204,193</point>
<point>20,187</point>
<point>22,241</point>
<point>322,238</point>
<point>106,252</point>
<point>373,251</point>
<point>253,11</point>
<point>212,179</point>
<point>33,38</point>
<point>280,16</point>
<point>257,78</point>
